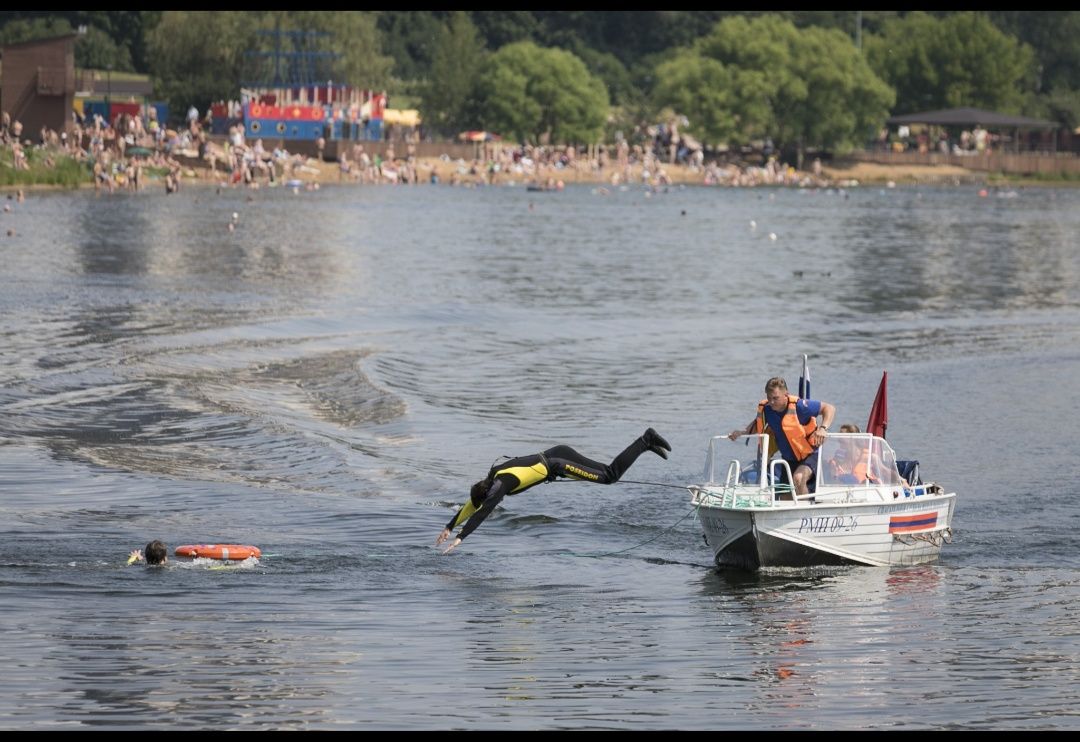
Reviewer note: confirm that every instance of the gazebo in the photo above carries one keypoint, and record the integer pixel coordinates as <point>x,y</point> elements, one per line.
<point>976,117</point>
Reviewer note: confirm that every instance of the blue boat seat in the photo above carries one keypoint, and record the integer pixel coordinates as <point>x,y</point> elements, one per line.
<point>909,470</point>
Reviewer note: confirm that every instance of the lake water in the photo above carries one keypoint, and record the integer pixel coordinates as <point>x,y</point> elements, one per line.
<point>328,379</point>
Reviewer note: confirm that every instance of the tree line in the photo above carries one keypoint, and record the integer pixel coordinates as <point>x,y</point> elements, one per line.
<point>823,79</point>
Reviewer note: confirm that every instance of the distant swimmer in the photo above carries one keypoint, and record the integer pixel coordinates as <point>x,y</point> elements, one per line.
<point>156,553</point>
<point>517,475</point>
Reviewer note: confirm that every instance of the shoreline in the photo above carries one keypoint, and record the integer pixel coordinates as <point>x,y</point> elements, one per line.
<point>458,172</point>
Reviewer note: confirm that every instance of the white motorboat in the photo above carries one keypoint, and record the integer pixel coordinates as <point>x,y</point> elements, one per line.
<point>866,514</point>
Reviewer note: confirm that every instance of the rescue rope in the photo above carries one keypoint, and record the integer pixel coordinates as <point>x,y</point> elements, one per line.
<point>647,541</point>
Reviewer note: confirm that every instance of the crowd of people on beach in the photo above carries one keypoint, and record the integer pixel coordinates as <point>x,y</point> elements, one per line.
<point>122,153</point>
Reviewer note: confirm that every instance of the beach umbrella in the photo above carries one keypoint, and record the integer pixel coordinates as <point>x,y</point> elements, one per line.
<point>478,136</point>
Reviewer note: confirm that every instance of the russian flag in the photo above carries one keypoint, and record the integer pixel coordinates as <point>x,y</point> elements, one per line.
<point>907,523</point>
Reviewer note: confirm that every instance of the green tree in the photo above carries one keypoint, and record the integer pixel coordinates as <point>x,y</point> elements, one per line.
<point>197,56</point>
<point>410,37</point>
<point>756,77</point>
<point>98,48</point>
<point>959,60</point>
<point>610,70</point>
<point>1054,36</point>
<point>846,102</point>
<point>721,102</point>
<point>501,27</point>
<point>448,99</point>
<point>542,95</point>
<point>126,28</point>
<point>351,34</point>
<point>32,29</point>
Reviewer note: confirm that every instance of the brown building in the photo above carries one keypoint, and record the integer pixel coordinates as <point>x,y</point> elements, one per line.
<point>38,83</point>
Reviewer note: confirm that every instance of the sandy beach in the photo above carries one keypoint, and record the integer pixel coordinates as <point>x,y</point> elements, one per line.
<point>447,171</point>
<point>454,172</point>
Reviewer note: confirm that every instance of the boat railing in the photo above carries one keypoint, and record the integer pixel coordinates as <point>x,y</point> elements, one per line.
<point>742,485</point>
<point>851,467</point>
<point>784,475</point>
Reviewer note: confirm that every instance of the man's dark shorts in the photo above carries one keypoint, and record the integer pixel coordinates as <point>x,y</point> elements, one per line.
<point>810,462</point>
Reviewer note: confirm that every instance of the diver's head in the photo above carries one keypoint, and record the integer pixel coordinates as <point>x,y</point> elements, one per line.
<point>479,491</point>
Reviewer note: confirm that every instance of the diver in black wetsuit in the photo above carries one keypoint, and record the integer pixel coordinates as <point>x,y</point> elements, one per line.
<point>518,475</point>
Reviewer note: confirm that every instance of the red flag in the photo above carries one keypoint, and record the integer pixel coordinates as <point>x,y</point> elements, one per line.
<point>879,413</point>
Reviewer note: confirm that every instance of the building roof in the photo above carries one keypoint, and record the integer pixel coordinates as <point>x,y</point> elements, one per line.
<point>972,117</point>
<point>115,84</point>
<point>40,42</point>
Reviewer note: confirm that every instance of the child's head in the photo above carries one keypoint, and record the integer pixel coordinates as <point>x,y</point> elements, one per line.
<point>155,552</point>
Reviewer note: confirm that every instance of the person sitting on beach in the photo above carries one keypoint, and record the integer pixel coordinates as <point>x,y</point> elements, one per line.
<point>517,475</point>
<point>156,553</point>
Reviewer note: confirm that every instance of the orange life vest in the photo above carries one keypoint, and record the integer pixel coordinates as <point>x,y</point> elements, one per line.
<point>860,469</point>
<point>797,434</point>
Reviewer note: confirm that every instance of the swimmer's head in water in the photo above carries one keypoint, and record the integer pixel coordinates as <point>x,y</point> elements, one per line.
<point>155,552</point>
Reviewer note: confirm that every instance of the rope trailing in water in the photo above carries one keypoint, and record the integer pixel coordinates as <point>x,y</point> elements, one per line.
<point>643,543</point>
<point>635,546</point>
<point>654,484</point>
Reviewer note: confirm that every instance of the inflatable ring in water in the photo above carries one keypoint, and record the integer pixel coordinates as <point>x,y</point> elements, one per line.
<point>219,551</point>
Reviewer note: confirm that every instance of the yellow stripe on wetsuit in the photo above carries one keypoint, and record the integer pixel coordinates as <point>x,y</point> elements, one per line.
<point>527,476</point>
<point>463,515</point>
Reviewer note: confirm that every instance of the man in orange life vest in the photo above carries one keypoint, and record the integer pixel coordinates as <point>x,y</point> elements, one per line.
<point>793,430</point>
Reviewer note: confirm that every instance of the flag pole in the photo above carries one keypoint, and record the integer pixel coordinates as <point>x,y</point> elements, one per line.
<point>804,380</point>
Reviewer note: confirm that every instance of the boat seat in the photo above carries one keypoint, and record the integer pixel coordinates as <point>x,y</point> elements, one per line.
<point>909,470</point>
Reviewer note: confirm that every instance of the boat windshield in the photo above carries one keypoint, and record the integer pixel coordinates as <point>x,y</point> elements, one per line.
<point>846,459</point>
<point>857,458</point>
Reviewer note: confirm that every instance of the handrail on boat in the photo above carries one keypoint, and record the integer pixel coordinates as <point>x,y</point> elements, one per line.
<point>734,476</point>
<point>772,476</point>
<point>734,472</point>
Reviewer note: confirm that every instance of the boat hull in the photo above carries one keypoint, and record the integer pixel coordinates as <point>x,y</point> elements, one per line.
<point>907,532</point>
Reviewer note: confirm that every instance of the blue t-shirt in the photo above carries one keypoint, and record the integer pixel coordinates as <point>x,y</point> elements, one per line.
<point>805,409</point>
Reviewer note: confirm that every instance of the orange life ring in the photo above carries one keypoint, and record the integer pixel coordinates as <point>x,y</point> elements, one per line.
<point>219,551</point>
